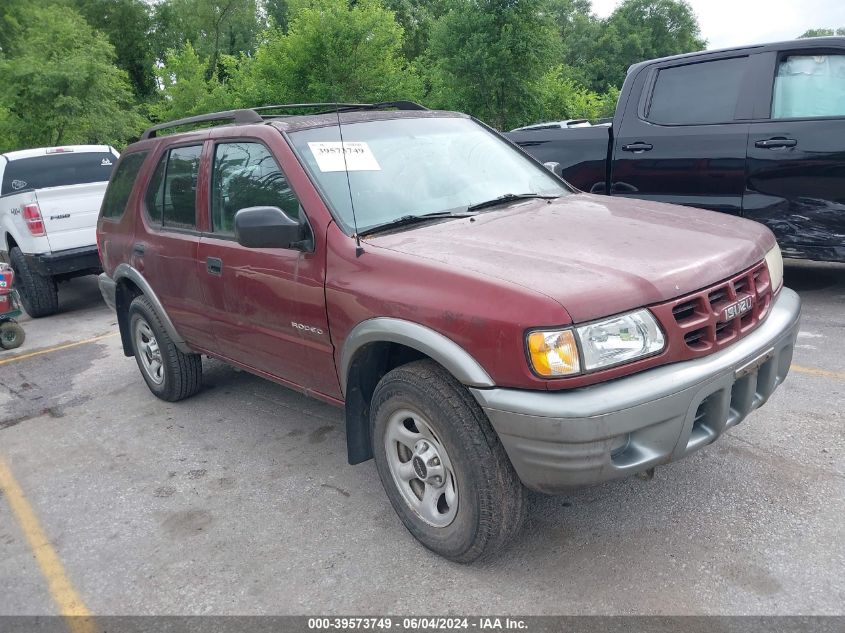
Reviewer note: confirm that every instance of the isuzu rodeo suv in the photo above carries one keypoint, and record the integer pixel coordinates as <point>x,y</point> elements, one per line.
<point>485,326</point>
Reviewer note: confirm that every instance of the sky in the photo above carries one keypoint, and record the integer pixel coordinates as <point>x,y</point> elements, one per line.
<point>726,23</point>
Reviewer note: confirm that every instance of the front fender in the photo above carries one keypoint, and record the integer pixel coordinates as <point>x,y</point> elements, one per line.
<point>433,344</point>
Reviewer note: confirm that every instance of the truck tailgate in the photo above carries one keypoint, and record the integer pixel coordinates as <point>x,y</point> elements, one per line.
<point>70,214</point>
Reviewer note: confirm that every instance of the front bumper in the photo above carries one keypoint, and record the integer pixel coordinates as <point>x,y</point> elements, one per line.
<point>74,261</point>
<point>565,439</point>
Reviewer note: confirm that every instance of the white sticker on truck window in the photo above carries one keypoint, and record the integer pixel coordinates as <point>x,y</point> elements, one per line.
<point>329,156</point>
<point>18,184</point>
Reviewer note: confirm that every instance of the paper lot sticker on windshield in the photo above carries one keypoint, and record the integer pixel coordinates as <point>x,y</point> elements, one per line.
<point>329,156</point>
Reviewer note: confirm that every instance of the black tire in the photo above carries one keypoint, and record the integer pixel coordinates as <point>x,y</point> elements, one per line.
<point>12,335</point>
<point>39,294</point>
<point>490,505</point>
<point>181,374</point>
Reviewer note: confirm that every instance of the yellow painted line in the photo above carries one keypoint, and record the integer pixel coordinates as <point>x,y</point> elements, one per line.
<point>814,371</point>
<point>57,348</point>
<point>76,614</point>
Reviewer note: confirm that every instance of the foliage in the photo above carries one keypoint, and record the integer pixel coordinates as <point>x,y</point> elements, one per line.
<point>61,85</point>
<point>213,27</point>
<point>70,67</point>
<point>126,23</point>
<point>822,33</point>
<point>638,30</point>
<point>562,97</point>
<point>184,88</point>
<point>331,52</point>
<point>486,56</point>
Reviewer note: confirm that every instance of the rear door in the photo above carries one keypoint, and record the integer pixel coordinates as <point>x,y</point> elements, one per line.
<point>684,140</point>
<point>69,186</point>
<point>796,153</point>
<point>167,238</point>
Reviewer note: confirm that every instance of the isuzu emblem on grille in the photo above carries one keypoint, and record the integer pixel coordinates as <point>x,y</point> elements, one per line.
<point>737,308</point>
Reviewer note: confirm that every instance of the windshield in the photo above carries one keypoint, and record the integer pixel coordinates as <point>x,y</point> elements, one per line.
<point>412,167</point>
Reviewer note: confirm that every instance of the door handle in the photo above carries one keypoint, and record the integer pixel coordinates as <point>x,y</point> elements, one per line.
<point>214,265</point>
<point>637,147</point>
<point>138,248</point>
<point>776,143</point>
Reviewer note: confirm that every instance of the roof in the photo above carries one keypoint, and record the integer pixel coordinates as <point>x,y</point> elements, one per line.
<point>43,151</point>
<point>809,42</point>
<point>307,122</point>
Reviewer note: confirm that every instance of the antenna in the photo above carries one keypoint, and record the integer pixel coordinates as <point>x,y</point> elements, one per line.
<point>359,250</point>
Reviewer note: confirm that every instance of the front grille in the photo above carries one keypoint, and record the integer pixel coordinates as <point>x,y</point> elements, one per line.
<point>698,322</point>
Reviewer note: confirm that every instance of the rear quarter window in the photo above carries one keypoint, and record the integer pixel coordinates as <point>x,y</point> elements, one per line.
<point>120,187</point>
<point>57,170</point>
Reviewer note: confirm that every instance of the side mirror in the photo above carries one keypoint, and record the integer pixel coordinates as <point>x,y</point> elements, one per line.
<point>555,168</point>
<point>267,227</point>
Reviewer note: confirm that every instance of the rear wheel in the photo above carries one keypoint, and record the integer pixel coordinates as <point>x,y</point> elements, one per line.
<point>39,294</point>
<point>169,373</point>
<point>442,465</point>
<point>12,335</point>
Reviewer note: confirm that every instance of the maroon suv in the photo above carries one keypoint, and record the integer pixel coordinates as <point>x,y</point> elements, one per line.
<point>484,325</point>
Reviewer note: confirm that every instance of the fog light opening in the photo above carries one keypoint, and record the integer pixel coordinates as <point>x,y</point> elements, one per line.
<point>619,445</point>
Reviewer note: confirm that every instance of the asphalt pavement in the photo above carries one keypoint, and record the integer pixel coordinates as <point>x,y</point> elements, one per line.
<point>240,500</point>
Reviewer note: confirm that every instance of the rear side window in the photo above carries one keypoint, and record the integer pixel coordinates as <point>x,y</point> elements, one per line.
<point>171,197</point>
<point>120,187</point>
<point>247,175</point>
<point>57,170</point>
<point>809,86</point>
<point>697,94</point>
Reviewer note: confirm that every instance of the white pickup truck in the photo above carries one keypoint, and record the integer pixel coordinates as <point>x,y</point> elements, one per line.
<point>49,202</point>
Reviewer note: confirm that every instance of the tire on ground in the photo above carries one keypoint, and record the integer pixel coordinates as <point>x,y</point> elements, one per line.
<point>39,294</point>
<point>11,335</point>
<point>182,373</point>
<point>490,497</point>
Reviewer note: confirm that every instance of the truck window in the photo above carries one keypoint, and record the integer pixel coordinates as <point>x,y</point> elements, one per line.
<point>171,196</point>
<point>57,170</point>
<point>247,175</point>
<point>809,86</point>
<point>120,187</point>
<point>697,94</point>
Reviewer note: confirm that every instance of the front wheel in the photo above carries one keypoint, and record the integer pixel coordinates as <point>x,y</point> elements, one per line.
<point>442,465</point>
<point>11,335</point>
<point>169,373</point>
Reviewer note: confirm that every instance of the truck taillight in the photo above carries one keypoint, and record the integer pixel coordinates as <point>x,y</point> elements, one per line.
<point>33,219</point>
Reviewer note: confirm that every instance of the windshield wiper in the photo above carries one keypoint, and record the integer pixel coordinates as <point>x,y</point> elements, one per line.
<point>508,197</point>
<point>408,220</point>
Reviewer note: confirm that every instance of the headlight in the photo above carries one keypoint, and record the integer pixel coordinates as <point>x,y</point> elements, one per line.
<point>554,353</point>
<point>774,261</point>
<point>620,339</point>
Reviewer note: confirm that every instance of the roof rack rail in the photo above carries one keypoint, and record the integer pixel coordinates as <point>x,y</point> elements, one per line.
<point>238,117</point>
<point>251,115</point>
<point>344,107</point>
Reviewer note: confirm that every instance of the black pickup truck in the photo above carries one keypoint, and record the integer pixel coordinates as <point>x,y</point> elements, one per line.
<point>757,131</point>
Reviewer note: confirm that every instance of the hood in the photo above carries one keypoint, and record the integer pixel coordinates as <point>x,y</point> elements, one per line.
<point>597,256</point>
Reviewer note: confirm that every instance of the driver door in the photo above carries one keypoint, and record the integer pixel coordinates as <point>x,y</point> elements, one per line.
<point>266,305</point>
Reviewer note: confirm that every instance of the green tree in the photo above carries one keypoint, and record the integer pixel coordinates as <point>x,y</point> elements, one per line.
<point>638,30</point>
<point>486,57</point>
<point>561,96</point>
<point>185,89</point>
<point>127,23</point>
<point>213,27</point>
<point>61,86</point>
<point>331,52</point>
<point>278,13</point>
<point>822,33</point>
